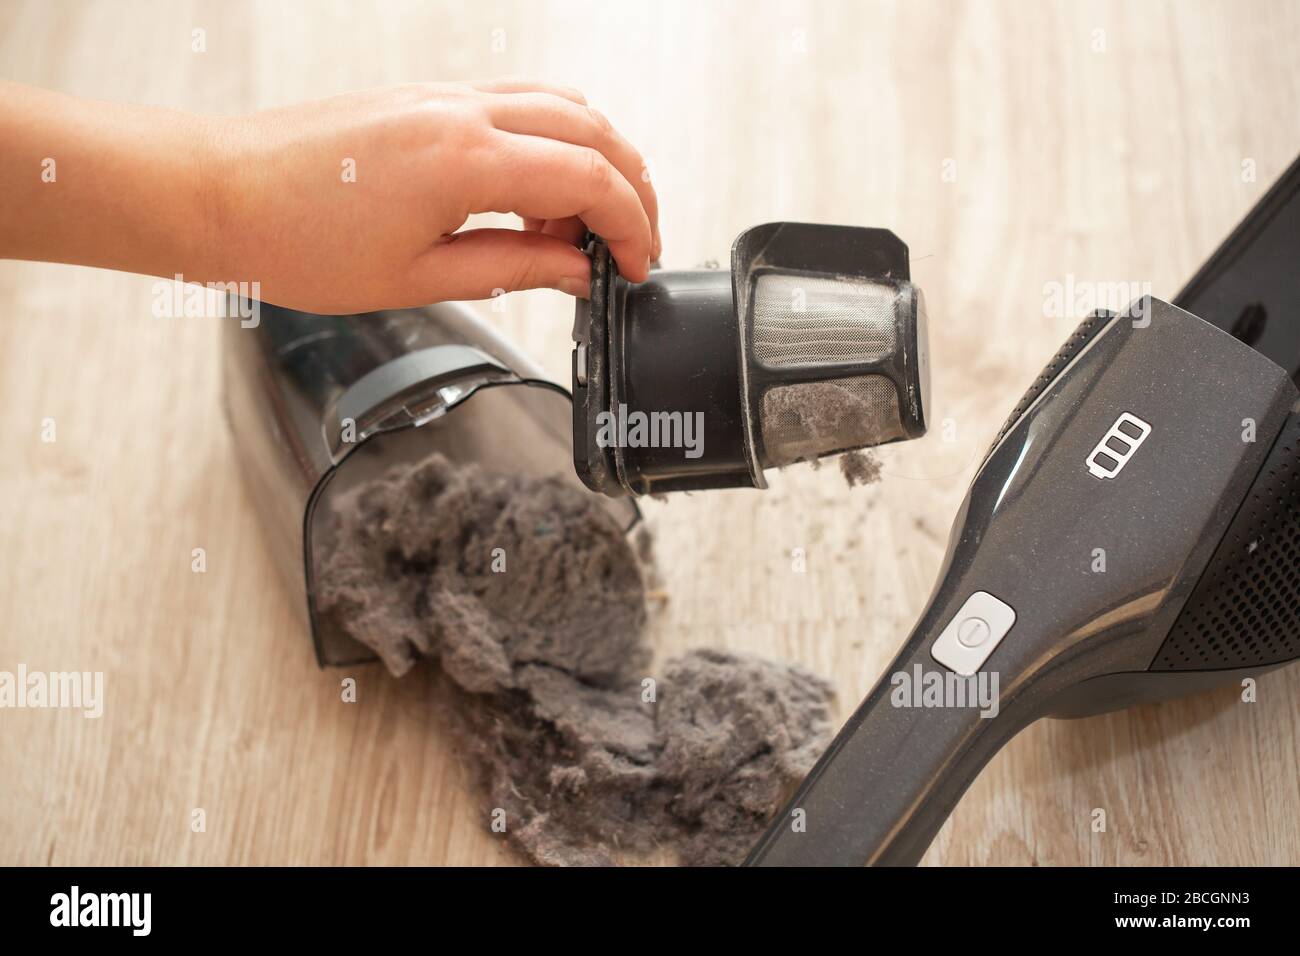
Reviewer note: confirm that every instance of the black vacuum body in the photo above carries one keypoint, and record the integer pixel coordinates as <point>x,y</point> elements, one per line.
<point>1132,535</point>
<point>813,343</point>
<point>1250,286</point>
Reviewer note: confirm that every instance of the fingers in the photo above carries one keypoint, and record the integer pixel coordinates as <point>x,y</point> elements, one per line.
<point>565,169</point>
<point>540,114</point>
<point>476,263</point>
<point>523,84</point>
<point>571,230</point>
<point>542,178</point>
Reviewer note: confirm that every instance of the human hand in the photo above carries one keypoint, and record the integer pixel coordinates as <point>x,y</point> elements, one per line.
<point>425,157</point>
<point>348,204</point>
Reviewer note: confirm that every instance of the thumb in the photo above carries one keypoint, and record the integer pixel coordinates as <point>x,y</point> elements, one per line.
<point>481,263</point>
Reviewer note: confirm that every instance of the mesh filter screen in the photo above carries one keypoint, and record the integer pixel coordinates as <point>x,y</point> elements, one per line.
<point>810,319</point>
<point>810,419</point>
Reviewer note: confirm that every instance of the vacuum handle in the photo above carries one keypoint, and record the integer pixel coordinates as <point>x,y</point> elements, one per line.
<point>896,769</point>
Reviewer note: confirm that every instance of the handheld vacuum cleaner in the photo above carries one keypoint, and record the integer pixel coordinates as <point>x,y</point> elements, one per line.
<point>1153,436</point>
<point>1156,438</point>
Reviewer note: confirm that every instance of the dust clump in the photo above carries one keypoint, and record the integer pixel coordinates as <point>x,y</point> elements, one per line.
<point>533,601</point>
<point>806,421</point>
<point>859,468</point>
<point>483,571</point>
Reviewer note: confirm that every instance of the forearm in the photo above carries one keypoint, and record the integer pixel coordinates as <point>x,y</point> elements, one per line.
<point>109,185</point>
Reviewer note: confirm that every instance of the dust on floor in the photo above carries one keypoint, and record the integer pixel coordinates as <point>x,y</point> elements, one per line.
<point>532,600</point>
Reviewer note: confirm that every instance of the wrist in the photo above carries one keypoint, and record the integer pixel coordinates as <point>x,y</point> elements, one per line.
<point>215,163</point>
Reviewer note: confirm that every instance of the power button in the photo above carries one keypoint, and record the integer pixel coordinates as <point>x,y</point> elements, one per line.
<point>973,633</point>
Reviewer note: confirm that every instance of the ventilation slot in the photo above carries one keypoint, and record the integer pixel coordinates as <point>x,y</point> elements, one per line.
<point>1245,611</point>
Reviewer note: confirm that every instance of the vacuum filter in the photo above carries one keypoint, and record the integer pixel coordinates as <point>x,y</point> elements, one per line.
<point>813,344</point>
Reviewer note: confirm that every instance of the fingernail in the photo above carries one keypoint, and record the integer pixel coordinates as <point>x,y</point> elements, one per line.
<point>574,287</point>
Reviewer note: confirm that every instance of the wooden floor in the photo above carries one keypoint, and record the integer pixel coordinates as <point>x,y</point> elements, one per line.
<point>1012,145</point>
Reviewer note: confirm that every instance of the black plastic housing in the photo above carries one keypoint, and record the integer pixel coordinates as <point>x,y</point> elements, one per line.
<point>1250,286</point>
<point>666,345</point>
<point>1031,522</point>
